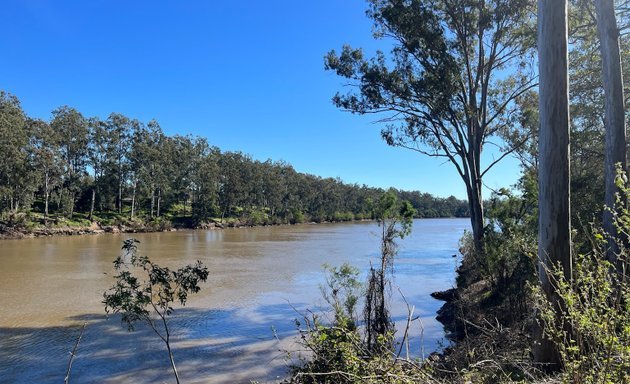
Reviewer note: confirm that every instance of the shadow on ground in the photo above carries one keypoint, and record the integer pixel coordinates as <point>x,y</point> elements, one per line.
<point>217,346</point>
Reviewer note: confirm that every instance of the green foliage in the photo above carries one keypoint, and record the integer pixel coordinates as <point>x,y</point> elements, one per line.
<point>297,217</point>
<point>588,317</point>
<point>140,298</point>
<point>591,327</point>
<point>338,355</point>
<point>443,90</point>
<point>342,292</point>
<point>395,218</point>
<point>510,242</point>
<point>337,351</point>
<point>258,217</point>
<point>73,164</point>
<point>135,298</point>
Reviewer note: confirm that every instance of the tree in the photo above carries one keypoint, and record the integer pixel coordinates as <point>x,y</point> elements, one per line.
<point>612,77</point>
<point>451,86</point>
<point>149,164</point>
<point>395,219</point>
<point>554,226</point>
<point>183,151</point>
<point>120,130</point>
<point>72,130</point>
<point>46,157</point>
<point>205,180</point>
<point>97,156</point>
<point>232,181</point>
<point>136,299</point>
<point>13,144</point>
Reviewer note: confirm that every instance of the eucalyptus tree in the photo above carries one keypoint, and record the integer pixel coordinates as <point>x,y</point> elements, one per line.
<point>395,219</point>
<point>12,139</point>
<point>205,179</point>
<point>612,78</point>
<point>13,147</point>
<point>597,75</point>
<point>146,292</point>
<point>554,223</point>
<point>182,152</point>
<point>451,84</point>
<point>274,186</point>
<point>120,130</point>
<point>47,161</point>
<point>72,130</point>
<point>97,156</point>
<point>149,164</point>
<point>294,200</point>
<point>232,181</point>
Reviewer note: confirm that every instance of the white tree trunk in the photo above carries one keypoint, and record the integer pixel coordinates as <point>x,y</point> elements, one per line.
<point>554,227</point>
<point>612,80</point>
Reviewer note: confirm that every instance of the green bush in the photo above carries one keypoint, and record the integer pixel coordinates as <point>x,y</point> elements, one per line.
<point>297,217</point>
<point>591,327</point>
<point>590,319</point>
<point>338,353</point>
<point>257,217</point>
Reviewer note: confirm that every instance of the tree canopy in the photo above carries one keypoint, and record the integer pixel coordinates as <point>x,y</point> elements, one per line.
<point>95,168</point>
<point>451,84</point>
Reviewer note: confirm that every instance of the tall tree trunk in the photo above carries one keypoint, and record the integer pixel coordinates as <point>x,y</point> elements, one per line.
<point>152,201</point>
<point>120,196</point>
<point>93,201</point>
<point>475,205</point>
<point>477,219</point>
<point>133,198</point>
<point>159,197</point>
<point>554,226</point>
<point>46,195</point>
<point>612,80</point>
<point>72,197</point>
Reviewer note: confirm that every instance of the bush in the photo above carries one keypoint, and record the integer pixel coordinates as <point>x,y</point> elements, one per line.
<point>590,319</point>
<point>257,217</point>
<point>338,353</point>
<point>297,217</point>
<point>592,326</point>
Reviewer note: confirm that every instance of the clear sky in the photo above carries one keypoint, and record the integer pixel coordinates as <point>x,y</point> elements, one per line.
<point>247,75</point>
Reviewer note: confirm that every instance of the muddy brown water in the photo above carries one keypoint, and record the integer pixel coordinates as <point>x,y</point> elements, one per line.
<point>237,329</point>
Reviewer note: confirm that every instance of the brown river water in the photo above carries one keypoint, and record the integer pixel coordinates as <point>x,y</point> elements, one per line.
<point>236,329</point>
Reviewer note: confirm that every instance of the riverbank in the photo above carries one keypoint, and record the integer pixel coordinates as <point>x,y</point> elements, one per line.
<point>7,233</point>
<point>64,227</point>
<point>489,324</point>
<point>28,227</point>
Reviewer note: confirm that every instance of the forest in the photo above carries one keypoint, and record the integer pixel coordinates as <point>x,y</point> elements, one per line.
<point>120,170</point>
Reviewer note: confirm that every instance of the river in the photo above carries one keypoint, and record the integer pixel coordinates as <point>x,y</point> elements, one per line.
<point>237,328</point>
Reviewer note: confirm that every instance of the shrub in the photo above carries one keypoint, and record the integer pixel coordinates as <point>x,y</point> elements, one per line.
<point>152,293</point>
<point>591,327</point>
<point>590,319</point>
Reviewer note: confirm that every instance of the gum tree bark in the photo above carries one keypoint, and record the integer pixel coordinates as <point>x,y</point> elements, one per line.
<point>554,227</point>
<point>612,80</point>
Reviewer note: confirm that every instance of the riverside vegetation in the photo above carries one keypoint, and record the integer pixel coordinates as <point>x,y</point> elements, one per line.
<point>74,174</point>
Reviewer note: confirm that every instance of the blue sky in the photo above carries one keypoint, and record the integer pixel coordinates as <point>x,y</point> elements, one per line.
<point>246,75</point>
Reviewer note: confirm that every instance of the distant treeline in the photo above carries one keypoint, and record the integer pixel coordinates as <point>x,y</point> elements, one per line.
<point>76,165</point>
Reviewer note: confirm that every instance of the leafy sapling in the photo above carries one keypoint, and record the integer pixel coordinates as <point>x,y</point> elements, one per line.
<point>145,291</point>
